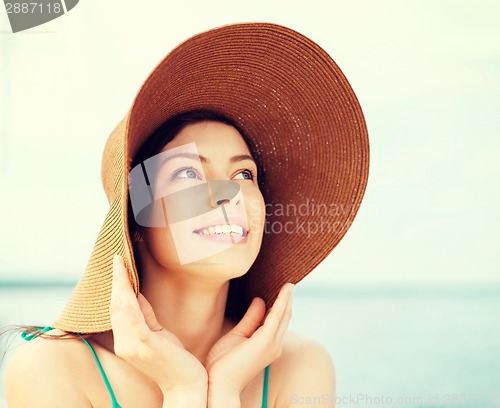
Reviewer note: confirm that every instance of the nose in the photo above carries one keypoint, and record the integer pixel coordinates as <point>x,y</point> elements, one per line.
<point>221,192</point>
<point>200,199</point>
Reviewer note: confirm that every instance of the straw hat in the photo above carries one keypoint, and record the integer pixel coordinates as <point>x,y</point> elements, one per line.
<point>294,103</point>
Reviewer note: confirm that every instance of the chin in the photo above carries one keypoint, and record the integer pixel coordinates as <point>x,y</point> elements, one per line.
<point>226,265</point>
<point>190,254</point>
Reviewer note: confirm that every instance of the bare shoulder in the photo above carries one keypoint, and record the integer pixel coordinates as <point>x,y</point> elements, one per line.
<point>42,373</point>
<point>305,373</point>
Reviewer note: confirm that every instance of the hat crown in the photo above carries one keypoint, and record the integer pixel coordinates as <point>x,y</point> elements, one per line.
<point>294,103</point>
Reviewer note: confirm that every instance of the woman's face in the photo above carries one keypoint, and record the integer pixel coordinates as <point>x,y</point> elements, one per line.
<point>206,162</point>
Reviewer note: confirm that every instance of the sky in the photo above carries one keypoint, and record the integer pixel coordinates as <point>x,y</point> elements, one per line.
<point>427,75</point>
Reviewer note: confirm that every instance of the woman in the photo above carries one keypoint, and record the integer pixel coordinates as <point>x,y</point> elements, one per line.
<point>239,167</point>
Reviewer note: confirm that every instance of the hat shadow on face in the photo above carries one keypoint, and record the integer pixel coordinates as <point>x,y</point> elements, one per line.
<point>305,128</point>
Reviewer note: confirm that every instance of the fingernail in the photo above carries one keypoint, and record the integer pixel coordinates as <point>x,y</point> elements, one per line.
<point>117,260</point>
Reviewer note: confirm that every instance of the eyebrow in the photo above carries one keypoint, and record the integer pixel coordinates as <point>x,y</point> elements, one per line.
<point>186,155</point>
<point>203,159</point>
<point>241,157</point>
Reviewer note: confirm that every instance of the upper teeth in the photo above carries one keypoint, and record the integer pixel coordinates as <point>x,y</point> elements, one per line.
<point>222,229</point>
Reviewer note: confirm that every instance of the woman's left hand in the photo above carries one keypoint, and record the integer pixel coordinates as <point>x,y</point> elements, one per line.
<point>247,349</point>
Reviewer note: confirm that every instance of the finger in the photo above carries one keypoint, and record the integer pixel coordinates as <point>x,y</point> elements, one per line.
<point>122,295</point>
<point>273,319</point>
<point>128,325</point>
<point>252,318</point>
<point>148,313</point>
<point>126,315</point>
<point>121,287</point>
<point>287,315</point>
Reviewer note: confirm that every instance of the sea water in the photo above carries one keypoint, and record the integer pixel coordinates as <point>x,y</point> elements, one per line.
<point>392,346</point>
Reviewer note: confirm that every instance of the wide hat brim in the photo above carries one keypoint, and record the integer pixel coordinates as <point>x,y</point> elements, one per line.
<point>292,100</point>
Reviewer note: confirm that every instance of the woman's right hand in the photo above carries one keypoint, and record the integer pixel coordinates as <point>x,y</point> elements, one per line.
<point>141,341</point>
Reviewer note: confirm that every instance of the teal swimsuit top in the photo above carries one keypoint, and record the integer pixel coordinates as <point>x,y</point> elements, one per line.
<point>115,404</point>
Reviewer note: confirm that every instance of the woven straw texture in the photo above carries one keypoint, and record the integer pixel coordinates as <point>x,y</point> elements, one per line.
<point>291,99</point>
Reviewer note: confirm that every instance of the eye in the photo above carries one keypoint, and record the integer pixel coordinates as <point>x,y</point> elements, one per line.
<point>245,175</point>
<point>186,173</point>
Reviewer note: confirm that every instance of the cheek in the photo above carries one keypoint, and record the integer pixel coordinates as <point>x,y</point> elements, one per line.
<point>255,209</point>
<point>161,245</point>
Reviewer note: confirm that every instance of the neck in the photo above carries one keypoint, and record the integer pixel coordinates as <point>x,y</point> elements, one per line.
<point>190,309</point>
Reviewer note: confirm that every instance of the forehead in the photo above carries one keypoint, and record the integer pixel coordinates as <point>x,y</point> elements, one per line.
<point>215,137</point>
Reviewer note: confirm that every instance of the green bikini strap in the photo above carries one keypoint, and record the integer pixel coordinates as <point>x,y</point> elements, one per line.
<point>30,336</point>
<point>264,392</point>
<point>103,374</point>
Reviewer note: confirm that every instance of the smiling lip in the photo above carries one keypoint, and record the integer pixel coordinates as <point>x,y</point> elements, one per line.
<point>218,229</point>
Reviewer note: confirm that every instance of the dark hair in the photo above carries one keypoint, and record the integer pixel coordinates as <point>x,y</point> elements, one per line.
<point>166,133</point>
<point>155,143</point>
